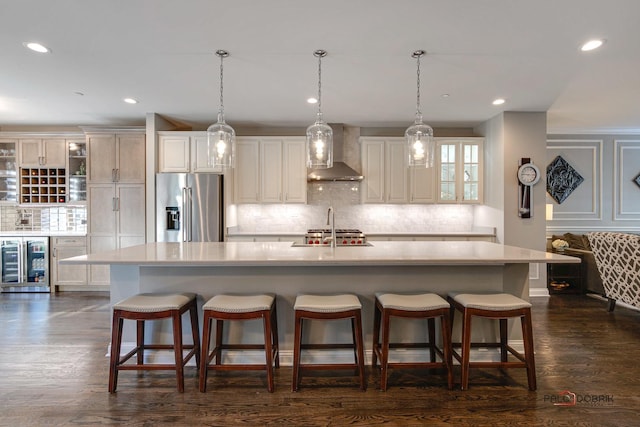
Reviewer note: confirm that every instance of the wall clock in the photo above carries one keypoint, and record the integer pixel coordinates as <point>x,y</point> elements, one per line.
<point>528,176</point>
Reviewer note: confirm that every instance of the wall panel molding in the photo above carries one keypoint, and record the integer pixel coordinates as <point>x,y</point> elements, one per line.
<point>626,167</point>
<point>584,155</point>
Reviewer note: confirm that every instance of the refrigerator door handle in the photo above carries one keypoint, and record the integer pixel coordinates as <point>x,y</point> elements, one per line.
<point>190,206</point>
<point>185,214</point>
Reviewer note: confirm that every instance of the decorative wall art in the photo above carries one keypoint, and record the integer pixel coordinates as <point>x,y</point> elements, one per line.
<point>562,179</point>
<point>637,180</point>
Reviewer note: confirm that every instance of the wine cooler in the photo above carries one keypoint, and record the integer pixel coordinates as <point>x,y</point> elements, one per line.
<point>24,264</point>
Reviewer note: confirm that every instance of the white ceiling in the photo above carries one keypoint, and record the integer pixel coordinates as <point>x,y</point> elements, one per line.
<point>162,53</point>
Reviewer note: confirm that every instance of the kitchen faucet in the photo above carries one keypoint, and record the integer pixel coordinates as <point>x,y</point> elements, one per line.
<point>331,220</point>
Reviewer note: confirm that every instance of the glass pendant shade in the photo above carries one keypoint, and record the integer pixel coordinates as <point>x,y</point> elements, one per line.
<point>221,143</point>
<point>221,138</point>
<point>319,145</point>
<point>419,136</point>
<point>319,135</point>
<point>420,144</point>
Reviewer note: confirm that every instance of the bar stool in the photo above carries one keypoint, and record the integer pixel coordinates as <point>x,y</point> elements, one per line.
<point>239,307</point>
<point>423,306</point>
<point>154,306</point>
<point>494,306</point>
<point>328,307</point>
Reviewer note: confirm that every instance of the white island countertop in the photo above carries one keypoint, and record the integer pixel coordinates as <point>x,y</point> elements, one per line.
<point>284,254</point>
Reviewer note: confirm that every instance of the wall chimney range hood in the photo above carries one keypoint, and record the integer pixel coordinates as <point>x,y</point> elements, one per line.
<point>340,170</point>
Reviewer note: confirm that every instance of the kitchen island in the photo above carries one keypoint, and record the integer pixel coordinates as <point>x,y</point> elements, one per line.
<point>286,270</point>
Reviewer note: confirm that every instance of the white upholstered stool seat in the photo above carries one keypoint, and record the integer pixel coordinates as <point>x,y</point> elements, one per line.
<point>228,307</point>
<point>147,307</point>
<point>150,302</point>
<point>328,307</point>
<point>327,303</point>
<point>499,306</point>
<point>239,303</point>
<point>427,306</point>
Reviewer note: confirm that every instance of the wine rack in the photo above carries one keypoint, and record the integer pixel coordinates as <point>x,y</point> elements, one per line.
<point>43,185</point>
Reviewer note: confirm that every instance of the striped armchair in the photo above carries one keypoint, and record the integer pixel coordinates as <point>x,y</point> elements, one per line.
<point>617,257</point>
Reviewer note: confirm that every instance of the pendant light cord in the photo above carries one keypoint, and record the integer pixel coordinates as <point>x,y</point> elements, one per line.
<point>221,112</point>
<point>320,85</point>
<point>222,54</point>
<point>418,112</point>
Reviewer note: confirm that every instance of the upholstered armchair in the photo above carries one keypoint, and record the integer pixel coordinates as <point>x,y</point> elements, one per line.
<point>617,257</point>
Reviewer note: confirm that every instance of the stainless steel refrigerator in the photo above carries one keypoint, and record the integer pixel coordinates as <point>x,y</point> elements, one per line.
<point>189,207</point>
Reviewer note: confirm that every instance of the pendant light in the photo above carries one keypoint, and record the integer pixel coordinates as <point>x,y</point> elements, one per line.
<point>221,138</point>
<point>419,136</point>
<point>319,135</point>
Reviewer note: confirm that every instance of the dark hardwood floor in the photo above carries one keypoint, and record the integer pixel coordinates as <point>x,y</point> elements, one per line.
<point>53,371</point>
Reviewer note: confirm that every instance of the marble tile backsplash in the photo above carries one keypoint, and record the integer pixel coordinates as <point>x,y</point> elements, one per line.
<point>43,219</point>
<point>350,213</point>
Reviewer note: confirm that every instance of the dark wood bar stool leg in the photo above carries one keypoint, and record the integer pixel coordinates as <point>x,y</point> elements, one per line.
<point>328,307</point>
<point>147,307</point>
<point>421,306</point>
<point>226,307</point>
<point>500,307</point>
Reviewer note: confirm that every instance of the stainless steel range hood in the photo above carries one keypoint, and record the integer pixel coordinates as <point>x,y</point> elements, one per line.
<point>340,170</point>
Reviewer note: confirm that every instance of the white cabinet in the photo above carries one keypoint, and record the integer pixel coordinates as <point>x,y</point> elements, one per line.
<point>270,170</point>
<point>460,170</point>
<point>50,152</point>
<point>387,179</point>
<point>184,152</point>
<point>115,195</point>
<point>116,158</point>
<point>116,220</point>
<point>67,275</point>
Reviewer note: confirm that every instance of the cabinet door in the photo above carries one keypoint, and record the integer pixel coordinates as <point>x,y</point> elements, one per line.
<point>30,152</point>
<point>200,155</point>
<point>99,274</point>
<point>422,185</point>
<point>460,171</point>
<point>373,171</point>
<point>471,155</point>
<point>102,158</point>
<point>130,159</point>
<point>447,188</point>
<point>396,185</point>
<point>173,153</point>
<point>130,214</point>
<point>294,178</point>
<point>62,274</point>
<point>247,171</point>
<point>271,171</point>
<point>54,152</point>
<point>101,209</point>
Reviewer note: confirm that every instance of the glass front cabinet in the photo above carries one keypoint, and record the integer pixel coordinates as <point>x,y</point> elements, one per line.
<point>77,171</point>
<point>8,171</point>
<point>460,170</point>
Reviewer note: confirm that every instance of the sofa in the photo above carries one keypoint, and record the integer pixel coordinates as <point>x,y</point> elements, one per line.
<point>617,257</point>
<point>579,244</point>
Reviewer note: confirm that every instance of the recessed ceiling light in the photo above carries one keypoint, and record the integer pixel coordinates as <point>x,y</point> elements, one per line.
<point>591,45</point>
<point>445,95</point>
<point>498,101</point>
<point>130,100</point>
<point>77,92</point>
<point>36,47</point>
<point>312,100</point>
